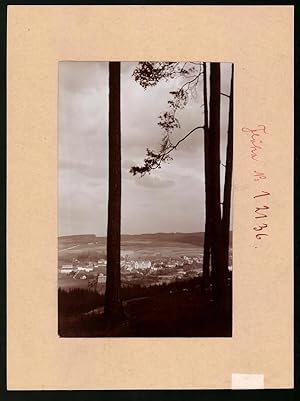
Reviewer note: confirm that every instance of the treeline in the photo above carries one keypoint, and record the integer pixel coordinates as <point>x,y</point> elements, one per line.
<point>78,300</point>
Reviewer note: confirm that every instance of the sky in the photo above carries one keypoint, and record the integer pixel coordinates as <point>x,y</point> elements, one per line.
<point>170,199</point>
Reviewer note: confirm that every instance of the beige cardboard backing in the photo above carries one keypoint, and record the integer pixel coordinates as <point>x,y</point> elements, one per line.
<point>259,40</point>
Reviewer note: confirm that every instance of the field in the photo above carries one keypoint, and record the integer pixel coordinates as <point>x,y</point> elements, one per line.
<point>146,245</point>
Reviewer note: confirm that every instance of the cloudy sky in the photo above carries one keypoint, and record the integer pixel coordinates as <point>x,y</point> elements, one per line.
<point>170,199</point>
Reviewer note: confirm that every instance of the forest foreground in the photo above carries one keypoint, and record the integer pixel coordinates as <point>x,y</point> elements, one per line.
<point>177,312</point>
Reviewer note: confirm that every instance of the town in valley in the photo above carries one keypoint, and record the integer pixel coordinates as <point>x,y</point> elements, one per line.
<point>146,260</point>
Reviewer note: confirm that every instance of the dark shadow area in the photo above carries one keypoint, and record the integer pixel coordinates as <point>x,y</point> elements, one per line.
<point>179,309</point>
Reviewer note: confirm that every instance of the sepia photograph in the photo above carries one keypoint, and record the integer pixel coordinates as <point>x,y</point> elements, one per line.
<point>145,155</point>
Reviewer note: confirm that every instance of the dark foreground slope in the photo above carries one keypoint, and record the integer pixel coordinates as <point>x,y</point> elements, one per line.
<point>177,312</point>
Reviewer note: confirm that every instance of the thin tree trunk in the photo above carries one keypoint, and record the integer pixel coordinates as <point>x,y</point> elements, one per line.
<point>208,219</point>
<point>228,184</point>
<point>228,177</point>
<point>113,305</point>
<point>214,120</point>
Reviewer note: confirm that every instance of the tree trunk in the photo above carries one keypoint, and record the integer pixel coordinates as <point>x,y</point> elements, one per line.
<point>113,305</point>
<point>208,215</point>
<point>228,184</point>
<point>228,177</point>
<point>216,232</point>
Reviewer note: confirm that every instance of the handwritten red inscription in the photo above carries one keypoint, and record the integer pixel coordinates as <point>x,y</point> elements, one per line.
<point>256,142</point>
<point>256,154</point>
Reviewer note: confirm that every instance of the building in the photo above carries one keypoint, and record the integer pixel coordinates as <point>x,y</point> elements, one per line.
<point>101,278</point>
<point>129,267</point>
<point>144,264</point>
<point>65,269</point>
<point>68,266</point>
<point>85,268</point>
<point>171,265</point>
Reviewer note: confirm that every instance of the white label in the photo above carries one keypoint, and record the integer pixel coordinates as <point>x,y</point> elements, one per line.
<point>244,381</point>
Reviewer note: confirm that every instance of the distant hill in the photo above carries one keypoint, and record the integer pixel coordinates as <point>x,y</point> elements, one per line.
<point>190,238</point>
<point>78,238</point>
<point>196,238</point>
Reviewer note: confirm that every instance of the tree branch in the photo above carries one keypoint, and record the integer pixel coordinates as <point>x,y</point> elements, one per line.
<point>148,74</point>
<point>153,160</point>
<point>182,139</point>
<point>224,94</point>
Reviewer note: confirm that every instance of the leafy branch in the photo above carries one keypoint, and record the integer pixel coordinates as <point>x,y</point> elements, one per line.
<point>153,160</point>
<point>167,120</point>
<point>149,74</point>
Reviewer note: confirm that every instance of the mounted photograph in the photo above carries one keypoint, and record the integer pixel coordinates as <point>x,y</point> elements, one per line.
<point>145,160</point>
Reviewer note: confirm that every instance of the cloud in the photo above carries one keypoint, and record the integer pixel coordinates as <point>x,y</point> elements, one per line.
<point>127,164</point>
<point>90,169</point>
<point>81,76</point>
<point>170,199</point>
<point>153,181</point>
<point>74,165</point>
